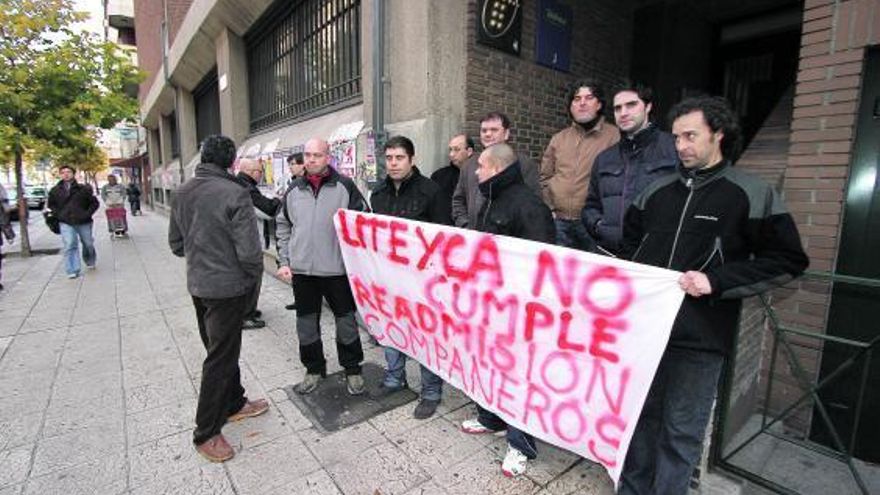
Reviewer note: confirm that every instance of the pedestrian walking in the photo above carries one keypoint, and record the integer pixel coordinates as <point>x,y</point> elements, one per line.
<point>73,204</point>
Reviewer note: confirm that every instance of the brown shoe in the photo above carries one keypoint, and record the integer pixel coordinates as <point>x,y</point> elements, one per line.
<point>216,449</point>
<point>250,409</point>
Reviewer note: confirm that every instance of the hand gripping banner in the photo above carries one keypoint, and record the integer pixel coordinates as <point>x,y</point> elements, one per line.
<point>560,343</point>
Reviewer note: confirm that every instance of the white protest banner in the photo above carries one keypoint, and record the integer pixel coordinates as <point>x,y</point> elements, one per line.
<point>557,342</point>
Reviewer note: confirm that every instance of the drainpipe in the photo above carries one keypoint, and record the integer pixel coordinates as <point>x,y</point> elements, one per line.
<point>379,83</point>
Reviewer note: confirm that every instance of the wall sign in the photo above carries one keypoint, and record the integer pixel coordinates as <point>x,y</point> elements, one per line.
<point>554,35</point>
<point>499,24</point>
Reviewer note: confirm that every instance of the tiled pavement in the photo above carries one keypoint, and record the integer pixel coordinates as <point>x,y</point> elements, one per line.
<point>98,380</point>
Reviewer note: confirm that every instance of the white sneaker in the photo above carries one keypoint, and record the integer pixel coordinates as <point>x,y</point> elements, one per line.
<point>514,463</point>
<point>474,427</point>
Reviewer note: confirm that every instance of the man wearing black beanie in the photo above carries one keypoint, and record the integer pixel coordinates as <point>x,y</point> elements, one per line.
<point>223,263</point>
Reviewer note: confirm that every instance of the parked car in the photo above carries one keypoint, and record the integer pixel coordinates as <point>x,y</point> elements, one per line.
<point>36,196</point>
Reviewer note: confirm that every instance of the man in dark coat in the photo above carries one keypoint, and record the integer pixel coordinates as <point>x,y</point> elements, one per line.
<point>461,148</point>
<point>511,209</point>
<point>133,192</point>
<point>214,226</point>
<point>406,193</point>
<point>250,173</point>
<point>622,171</point>
<point>74,204</point>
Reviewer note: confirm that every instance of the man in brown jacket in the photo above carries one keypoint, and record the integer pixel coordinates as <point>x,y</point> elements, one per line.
<point>568,160</point>
<point>467,200</point>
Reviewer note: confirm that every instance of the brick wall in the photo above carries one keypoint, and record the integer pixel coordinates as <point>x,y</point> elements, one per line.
<point>148,21</point>
<point>532,95</point>
<point>177,10</point>
<point>834,37</point>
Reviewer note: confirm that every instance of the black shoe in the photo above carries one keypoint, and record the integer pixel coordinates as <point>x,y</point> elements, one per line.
<point>291,306</point>
<point>252,324</point>
<point>426,409</point>
<point>255,315</point>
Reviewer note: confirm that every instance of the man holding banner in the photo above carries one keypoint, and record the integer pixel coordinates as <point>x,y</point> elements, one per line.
<point>730,234</point>
<point>508,209</point>
<point>406,193</point>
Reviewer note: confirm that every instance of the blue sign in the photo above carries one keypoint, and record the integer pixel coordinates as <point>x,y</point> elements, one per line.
<point>554,35</point>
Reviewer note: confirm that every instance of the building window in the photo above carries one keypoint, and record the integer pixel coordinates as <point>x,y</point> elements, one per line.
<point>175,137</point>
<point>303,58</point>
<point>207,101</point>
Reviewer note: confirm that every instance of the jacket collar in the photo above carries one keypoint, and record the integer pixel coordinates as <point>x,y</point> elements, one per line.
<point>245,178</point>
<point>703,176</point>
<point>204,170</point>
<point>332,178</point>
<point>640,139</point>
<point>493,187</point>
<point>413,177</point>
<point>600,124</point>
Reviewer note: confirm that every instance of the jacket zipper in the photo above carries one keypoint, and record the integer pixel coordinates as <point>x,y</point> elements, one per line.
<point>690,186</point>
<point>641,245</point>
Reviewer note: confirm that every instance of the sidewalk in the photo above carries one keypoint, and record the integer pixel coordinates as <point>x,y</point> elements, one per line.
<point>99,379</point>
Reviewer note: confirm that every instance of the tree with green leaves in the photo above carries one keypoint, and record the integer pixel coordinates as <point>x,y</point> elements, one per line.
<point>57,87</point>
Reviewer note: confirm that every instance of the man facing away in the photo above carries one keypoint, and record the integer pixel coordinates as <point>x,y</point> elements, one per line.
<point>309,254</point>
<point>213,225</point>
<point>74,204</point>
<point>730,234</point>
<point>467,200</point>
<point>250,173</point>
<point>510,209</point>
<point>461,147</point>
<point>408,194</point>
<point>568,161</point>
<point>622,171</point>
<point>134,198</point>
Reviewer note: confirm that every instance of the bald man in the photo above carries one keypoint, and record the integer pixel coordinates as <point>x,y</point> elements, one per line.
<point>508,209</point>
<point>250,174</point>
<point>309,256</point>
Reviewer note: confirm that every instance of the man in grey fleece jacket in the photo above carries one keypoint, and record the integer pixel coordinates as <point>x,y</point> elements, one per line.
<point>309,254</point>
<point>223,263</point>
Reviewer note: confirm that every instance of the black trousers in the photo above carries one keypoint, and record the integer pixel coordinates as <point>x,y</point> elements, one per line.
<point>310,291</point>
<point>253,299</point>
<point>221,393</point>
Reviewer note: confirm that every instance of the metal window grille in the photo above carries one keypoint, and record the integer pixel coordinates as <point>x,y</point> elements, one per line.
<point>303,58</point>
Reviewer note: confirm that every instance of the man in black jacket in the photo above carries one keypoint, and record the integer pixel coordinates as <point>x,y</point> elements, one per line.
<point>250,173</point>
<point>74,204</point>
<point>509,208</point>
<point>730,234</point>
<point>406,193</point>
<point>214,226</point>
<point>622,171</point>
<point>461,148</point>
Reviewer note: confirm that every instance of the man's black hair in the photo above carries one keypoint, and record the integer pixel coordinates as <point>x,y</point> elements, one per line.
<point>219,150</point>
<point>505,122</point>
<point>718,116</point>
<point>644,92</point>
<point>469,141</point>
<point>69,167</point>
<point>403,143</point>
<point>295,158</point>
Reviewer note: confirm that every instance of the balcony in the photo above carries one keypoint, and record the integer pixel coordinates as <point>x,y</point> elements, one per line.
<point>120,14</point>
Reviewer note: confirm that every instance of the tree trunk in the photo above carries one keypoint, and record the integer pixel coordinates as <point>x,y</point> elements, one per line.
<point>22,205</point>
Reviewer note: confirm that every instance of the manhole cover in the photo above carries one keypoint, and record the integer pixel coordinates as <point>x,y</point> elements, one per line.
<point>331,408</point>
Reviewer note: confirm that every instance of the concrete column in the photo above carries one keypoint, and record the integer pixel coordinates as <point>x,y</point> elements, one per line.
<point>153,147</point>
<point>232,78</point>
<point>165,140</point>
<point>186,125</point>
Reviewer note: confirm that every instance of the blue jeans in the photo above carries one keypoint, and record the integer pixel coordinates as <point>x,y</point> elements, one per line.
<point>395,375</point>
<point>69,235</point>
<point>516,438</point>
<point>573,234</point>
<point>668,439</point>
